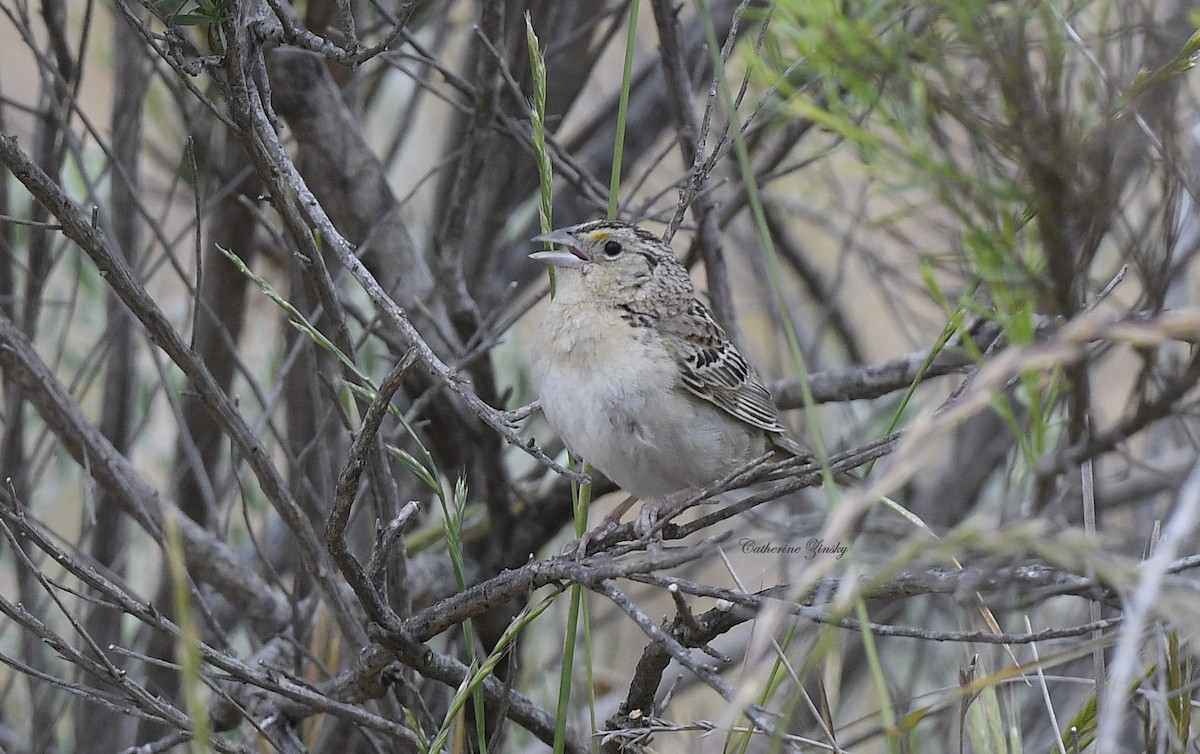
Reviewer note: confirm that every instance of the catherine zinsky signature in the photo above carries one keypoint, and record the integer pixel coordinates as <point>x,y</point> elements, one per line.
<point>810,549</point>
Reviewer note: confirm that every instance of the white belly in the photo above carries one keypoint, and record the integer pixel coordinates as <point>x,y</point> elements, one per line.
<point>617,404</point>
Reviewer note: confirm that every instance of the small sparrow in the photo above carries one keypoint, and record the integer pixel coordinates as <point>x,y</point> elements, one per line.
<point>635,374</point>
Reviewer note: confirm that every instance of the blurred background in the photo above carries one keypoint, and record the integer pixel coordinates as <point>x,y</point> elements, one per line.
<point>955,236</point>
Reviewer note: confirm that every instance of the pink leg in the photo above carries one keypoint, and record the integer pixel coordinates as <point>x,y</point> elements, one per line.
<point>609,522</point>
<point>653,509</point>
<point>643,525</point>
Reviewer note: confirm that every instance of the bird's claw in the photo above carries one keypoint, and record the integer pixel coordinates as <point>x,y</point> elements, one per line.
<point>591,535</point>
<point>645,524</point>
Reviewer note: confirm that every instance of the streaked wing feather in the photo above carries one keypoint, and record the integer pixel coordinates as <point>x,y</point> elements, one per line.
<point>712,368</point>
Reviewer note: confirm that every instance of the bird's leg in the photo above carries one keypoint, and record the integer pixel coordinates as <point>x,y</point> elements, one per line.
<point>608,523</point>
<point>612,519</point>
<point>646,523</point>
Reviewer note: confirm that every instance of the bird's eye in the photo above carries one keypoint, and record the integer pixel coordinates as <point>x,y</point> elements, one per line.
<point>612,249</point>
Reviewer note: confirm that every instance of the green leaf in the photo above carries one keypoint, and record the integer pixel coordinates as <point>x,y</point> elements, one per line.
<point>415,467</point>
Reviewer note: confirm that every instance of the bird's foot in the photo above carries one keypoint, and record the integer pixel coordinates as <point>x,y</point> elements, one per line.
<point>647,525</point>
<point>610,522</point>
<point>644,524</point>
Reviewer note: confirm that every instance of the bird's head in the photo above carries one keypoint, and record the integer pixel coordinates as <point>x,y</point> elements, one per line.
<point>607,257</point>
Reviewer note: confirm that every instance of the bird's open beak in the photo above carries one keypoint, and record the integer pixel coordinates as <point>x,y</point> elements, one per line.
<point>570,256</point>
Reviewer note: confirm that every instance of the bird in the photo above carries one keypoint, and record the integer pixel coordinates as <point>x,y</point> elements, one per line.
<point>635,374</point>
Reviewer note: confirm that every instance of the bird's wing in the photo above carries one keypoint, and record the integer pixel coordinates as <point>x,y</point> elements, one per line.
<point>712,368</point>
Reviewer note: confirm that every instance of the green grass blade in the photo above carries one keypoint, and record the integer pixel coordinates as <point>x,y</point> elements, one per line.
<point>614,183</point>
<point>537,120</point>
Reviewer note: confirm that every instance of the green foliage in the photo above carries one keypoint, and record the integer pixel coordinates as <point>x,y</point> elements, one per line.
<point>910,104</point>
<point>194,12</point>
<point>614,190</point>
<point>1181,63</point>
<point>1180,676</point>
<point>932,106</point>
<point>537,120</point>
<point>188,641</point>
<point>1177,682</point>
<point>472,686</point>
